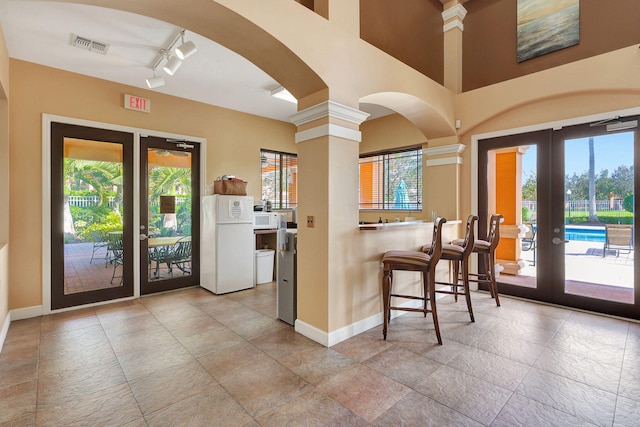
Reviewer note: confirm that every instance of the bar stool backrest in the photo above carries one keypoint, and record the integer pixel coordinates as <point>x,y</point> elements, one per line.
<point>436,243</point>
<point>469,237</point>
<point>493,237</point>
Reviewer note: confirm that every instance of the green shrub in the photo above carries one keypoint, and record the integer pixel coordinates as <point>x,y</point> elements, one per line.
<point>526,215</point>
<point>627,203</point>
<point>100,218</point>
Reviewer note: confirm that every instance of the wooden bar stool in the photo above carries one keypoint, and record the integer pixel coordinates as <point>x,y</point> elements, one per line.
<point>413,261</point>
<point>486,250</point>
<point>458,256</point>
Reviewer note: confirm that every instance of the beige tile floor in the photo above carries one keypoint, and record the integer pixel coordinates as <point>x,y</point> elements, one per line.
<point>194,358</point>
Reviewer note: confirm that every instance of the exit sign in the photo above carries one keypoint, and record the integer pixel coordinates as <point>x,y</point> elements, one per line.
<point>132,102</point>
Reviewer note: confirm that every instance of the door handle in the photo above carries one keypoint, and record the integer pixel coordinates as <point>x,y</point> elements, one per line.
<point>143,237</point>
<point>558,241</point>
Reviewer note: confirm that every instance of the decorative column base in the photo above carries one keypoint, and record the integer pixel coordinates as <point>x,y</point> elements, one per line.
<point>511,267</point>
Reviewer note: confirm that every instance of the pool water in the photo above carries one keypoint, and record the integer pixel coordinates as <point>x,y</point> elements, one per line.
<point>584,234</point>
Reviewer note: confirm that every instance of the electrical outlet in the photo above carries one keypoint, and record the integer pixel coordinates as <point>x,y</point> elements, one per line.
<point>310,222</point>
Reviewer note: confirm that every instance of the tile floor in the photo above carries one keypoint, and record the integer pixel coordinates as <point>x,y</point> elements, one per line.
<point>194,358</point>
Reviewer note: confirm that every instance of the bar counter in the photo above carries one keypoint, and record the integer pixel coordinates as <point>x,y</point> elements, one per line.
<point>387,226</point>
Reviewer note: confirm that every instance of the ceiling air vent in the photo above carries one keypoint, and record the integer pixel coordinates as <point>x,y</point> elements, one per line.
<point>88,44</point>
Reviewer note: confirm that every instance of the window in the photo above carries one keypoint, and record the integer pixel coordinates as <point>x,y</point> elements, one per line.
<point>279,179</point>
<point>391,180</point>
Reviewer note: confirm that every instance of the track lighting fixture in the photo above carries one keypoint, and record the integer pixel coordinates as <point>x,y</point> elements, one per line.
<point>173,59</point>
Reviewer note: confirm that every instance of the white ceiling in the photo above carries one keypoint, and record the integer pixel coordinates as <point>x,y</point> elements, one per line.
<point>41,32</point>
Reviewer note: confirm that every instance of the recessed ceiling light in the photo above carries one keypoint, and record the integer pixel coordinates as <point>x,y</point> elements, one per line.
<point>282,93</point>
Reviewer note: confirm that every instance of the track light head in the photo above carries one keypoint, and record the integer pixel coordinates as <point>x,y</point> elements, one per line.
<point>155,81</point>
<point>185,50</point>
<point>172,65</point>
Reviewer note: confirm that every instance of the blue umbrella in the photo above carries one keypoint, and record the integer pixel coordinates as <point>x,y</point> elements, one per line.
<point>402,198</point>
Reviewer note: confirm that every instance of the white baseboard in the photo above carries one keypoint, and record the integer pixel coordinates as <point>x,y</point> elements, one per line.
<point>349,331</point>
<point>5,330</point>
<point>311,332</point>
<point>26,313</point>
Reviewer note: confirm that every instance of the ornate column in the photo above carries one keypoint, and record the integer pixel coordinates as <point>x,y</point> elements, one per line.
<point>328,149</point>
<point>453,15</point>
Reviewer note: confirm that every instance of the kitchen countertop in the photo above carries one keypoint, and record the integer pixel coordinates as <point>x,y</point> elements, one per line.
<point>391,225</point>
<point>396,225</point>
<point>265,230</point>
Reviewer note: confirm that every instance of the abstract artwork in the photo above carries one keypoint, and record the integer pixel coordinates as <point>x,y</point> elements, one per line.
<point>545,26</point>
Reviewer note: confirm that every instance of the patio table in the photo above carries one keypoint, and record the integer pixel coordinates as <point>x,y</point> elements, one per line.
<point>156,244</point>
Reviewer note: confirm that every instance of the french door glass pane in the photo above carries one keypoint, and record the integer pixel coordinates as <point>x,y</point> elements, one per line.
<point>170,216</point>
<point>599,217</point>
<point>514,181</point>
<point>529,196</point>
<point>93,215</point>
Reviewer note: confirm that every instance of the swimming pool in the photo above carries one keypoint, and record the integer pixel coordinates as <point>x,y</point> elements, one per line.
<point>584,233</point>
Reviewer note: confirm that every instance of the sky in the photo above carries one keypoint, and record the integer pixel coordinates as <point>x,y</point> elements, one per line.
<point>610,152</point>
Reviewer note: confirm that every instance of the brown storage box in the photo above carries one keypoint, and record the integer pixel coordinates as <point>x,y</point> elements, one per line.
<point>234,188</point>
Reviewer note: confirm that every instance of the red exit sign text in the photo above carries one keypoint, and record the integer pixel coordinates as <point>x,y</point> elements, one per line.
<point>132,102</point>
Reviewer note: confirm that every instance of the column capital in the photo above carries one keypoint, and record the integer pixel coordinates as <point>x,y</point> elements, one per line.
<point>453,18</point>
<point>445,149</point>
<point>329,109</point>
<point>324,113</point>
<point>444,155</point>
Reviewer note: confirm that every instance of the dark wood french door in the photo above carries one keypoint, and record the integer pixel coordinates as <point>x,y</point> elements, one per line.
<point>570,263</point>
<point>91,215</point>
<point>169,214</point>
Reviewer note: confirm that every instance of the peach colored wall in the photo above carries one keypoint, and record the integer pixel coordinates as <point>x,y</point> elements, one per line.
<point>233,144</point>
<point>313,243</point>
<point>4,185</point>
<point>441,187</point>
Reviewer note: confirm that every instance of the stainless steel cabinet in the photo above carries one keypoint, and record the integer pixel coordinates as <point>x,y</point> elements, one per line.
<point>287,277</point>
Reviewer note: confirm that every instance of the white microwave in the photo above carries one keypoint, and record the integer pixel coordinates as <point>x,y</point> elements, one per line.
<point>265,220</point>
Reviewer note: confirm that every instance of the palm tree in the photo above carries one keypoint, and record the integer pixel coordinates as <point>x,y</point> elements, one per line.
<point>170,181</point>
<point>593,217</point>
<point>166,180</point>
<point>91,175</point>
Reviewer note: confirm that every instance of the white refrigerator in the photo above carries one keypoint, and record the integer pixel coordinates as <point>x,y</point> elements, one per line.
<point>227,243</point>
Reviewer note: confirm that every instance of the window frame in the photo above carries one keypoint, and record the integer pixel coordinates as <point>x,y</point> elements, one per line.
<point>285,162</point>
<point>380,194</point>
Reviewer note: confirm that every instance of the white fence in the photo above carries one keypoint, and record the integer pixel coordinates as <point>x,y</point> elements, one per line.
<point>86,201</point>
<point>581,205</point>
